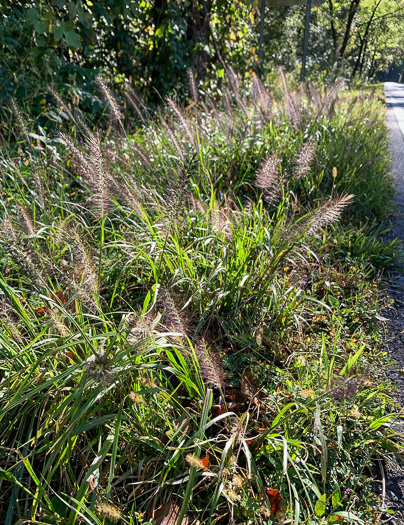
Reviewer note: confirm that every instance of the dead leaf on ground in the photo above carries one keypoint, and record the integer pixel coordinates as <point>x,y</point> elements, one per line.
<point>307,393</point>
<point>167,514</point>
<point>250,386</point>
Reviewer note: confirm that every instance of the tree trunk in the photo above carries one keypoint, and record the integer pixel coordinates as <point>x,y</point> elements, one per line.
<point>372,63</point>
<point>364,40</point>
<point>353,7</point>
<point>333,31</point>
<point>363,59</point>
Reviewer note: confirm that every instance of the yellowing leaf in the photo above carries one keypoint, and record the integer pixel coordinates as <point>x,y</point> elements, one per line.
<point>251,18</point>
<point>233,37</point>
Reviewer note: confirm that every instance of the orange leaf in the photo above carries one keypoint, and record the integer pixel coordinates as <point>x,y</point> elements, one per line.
<point>205,463</point>
<point>60,297</point>
<point>274,497</point>
<point>40,312</point>
<point>218,410</point>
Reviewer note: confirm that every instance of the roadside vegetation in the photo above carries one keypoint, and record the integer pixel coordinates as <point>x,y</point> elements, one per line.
<point>191,309</point>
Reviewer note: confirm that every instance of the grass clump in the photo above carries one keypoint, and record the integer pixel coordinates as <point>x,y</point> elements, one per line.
<point>190,313</point>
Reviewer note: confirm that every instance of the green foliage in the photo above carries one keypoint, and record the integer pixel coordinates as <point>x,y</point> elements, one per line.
<point>184,323</point>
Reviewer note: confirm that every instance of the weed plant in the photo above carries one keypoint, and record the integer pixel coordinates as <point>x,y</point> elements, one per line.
<point>190,310</point>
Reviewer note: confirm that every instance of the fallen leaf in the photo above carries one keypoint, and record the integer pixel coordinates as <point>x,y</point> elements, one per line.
<point>274,497</point>
<point>307,393</point>
<point>167,514</point>
<point>218,410</point>
<point>249,385</point>
<point>235,395</point>
<point>60,297</point>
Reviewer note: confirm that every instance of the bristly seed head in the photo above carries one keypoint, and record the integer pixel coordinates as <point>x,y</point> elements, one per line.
<point>110,100</point>
<point>210,365</point>
<point>109,511</point>
<point>268,179</point>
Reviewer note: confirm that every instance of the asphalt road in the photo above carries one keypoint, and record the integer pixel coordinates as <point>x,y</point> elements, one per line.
<point>394,471</point>
<point>395,99</point>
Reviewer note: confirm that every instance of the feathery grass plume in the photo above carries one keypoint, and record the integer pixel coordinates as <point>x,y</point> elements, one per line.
<point>233,80</point>
<point>80,273</point>
<point>84,266</point>
<point>261,99</point>
<point>182,119</point>
<point>228,101</point>
<point>136,102</point>
<point>174,317</point>
<point>268,179</point>
<point>330,99</point>
<point>98,177</point>
<point>142,154</point>
<point>82,164</point>
<point>192,86</point>
<point>8,231</point>
<point>110,101</point>
<point>314,96</point>
<point>229,126</point>
<point>64,106</point>
<point>171,137</point>
<point>328,213</point>
<point>124,187</point>
<point>295,109</point>
<point>29,261</point>
<point>58,323</point>
<point>304,159</point>
<point>195,462</point>
<point>344,389</point>
<point>109,511</point>
<point>41,190</point>
<point>20,119</point>
<point>139,328</point>
<point>9,320</point>
<point>221,222</point>
<point>291,109</point>
<point>176,198</point>
<point>25,220</point>
<point>210,365</point>
<point>234,84</point>
<point>196,205</point>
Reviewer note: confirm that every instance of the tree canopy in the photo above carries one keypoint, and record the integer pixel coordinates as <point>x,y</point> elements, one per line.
<point>154,42</point>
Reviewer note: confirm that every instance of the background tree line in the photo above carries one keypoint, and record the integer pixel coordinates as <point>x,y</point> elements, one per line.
<point>154,42</point>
